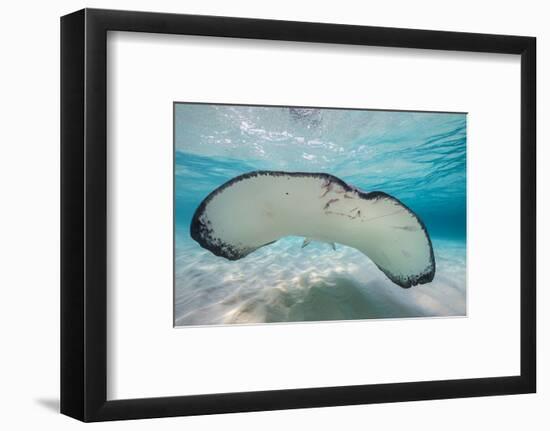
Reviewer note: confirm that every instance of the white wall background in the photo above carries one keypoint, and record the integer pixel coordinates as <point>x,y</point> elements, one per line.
<point>29,222</point>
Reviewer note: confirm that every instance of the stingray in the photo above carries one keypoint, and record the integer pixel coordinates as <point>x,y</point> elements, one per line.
<point>256,209</point>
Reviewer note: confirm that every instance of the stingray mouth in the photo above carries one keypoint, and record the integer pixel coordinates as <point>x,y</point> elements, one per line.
<point>256,209</point>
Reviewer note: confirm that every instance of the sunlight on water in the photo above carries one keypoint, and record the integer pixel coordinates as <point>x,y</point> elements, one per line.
<point>420,158</point>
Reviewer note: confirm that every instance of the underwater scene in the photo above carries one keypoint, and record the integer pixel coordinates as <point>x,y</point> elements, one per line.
<point>292,214</point>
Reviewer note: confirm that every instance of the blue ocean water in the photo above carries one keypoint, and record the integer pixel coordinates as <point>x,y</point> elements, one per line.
<point>419,158</point>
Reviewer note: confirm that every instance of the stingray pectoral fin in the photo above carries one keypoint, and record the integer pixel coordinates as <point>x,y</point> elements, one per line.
<point>395,239</point>
<point>257,208</point>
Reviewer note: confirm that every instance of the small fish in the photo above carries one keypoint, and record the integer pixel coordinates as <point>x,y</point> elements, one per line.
<point>307,241</point>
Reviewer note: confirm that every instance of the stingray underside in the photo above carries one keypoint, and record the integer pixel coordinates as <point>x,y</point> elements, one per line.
<point>257,208</point>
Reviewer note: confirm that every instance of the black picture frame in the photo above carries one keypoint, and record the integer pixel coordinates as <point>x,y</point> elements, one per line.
<point>84,214</point>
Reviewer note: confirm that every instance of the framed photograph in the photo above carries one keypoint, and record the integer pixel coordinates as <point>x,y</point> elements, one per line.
<point>262,215</point>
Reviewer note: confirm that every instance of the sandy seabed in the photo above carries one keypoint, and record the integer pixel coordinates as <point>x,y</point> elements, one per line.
<point>285,283</point>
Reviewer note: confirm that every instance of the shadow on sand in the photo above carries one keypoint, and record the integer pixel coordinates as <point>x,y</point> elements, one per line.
<point>332,298</point>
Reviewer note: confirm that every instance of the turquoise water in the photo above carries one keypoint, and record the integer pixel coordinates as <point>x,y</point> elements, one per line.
<point>420,158</point>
